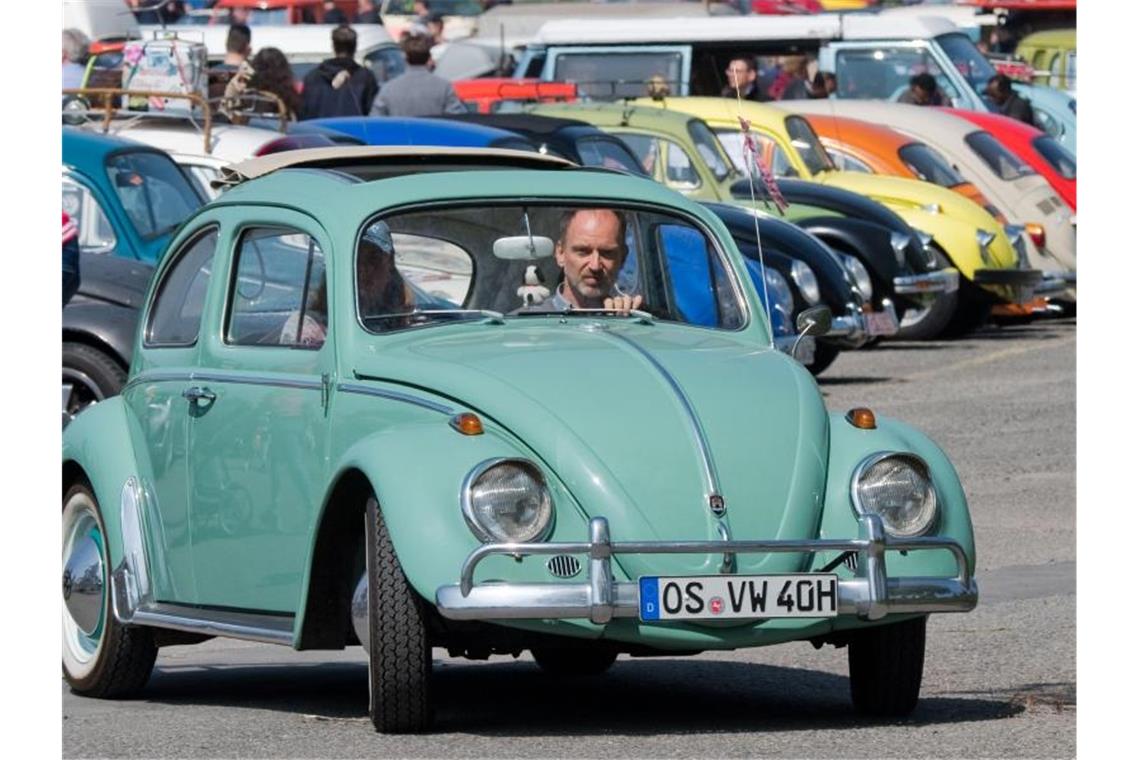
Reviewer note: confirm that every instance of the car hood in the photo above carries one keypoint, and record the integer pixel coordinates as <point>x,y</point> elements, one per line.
<point>606,407</point>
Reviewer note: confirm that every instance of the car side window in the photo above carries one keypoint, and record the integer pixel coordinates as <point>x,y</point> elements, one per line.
<point>176,314</point>
<point>771,153</point>
<point>95,232</point>
<point>701,290</point>
<point>679,170</point>
<point>847,162</point>
<point>278,295</point>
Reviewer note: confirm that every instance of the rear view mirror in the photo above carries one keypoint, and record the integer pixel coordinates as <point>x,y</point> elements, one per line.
<point>815,321</point>
<point>523,248</point>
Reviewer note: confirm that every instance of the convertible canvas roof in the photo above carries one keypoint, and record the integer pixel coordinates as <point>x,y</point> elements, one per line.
<point>344,157</point>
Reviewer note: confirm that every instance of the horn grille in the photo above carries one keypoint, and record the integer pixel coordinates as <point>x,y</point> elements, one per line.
<point>563,566</point>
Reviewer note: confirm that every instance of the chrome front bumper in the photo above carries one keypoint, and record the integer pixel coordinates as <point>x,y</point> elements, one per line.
<point>942,281</point>
<point>870,595</point>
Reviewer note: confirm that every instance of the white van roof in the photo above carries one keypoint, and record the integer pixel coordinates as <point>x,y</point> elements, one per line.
<point>299,42</point>
<point>100,18</point>
<point>822,27</point>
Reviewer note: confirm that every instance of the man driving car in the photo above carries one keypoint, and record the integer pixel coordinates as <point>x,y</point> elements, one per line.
<point>590,252</point>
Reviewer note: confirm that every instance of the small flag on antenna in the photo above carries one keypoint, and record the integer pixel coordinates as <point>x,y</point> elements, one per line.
<point>752,154</point>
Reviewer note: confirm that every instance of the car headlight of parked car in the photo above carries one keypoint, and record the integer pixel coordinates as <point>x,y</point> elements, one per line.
<point>506,500</point>
<point>984,240</point>
<point>897,488</point>
<point>779,292</point>
<point>805,280</point>
<point>862,277</point>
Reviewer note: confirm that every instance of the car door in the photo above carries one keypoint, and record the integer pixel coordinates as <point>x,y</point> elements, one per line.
<point>258,437</point>
<point>163,368</point>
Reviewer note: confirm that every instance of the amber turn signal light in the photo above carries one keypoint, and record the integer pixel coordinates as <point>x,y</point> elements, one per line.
<point>862,418</point>
<point>467,423</point>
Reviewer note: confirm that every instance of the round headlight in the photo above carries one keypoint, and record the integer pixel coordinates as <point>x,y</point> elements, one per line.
<point>897,488</point>
<point>805,280</point>
<point>860,274</point>
<point>779,294</point>
<point>506,500</point>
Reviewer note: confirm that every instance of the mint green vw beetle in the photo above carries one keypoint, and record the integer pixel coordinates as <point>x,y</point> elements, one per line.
<point>489,402</point>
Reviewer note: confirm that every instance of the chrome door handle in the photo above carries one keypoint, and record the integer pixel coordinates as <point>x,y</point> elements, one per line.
<point>198,393</point>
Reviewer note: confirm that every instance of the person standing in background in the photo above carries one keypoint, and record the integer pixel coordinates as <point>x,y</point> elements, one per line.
<point>417,92</point>
<point>923,91</point>
<point>333,15</point>
<point>74,58</point>
<point>368,13</point>
<point>238,47</point>
<point>741,74</point>
<point>339,86</point>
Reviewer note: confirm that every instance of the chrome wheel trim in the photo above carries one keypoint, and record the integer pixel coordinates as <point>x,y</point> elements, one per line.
<point>83,547</point>
<point>912,317</point>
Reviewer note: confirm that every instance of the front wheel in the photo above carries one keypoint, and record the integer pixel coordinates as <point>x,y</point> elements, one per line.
<point>399,654</point>
<point>101,658</point>
<point>825,354</point>
<point>885,664</point>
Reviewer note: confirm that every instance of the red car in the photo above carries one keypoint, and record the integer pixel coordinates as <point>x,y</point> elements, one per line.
<point>1052,160</point>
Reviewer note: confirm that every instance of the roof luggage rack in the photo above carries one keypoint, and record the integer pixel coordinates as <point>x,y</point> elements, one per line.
<point>108,102</point>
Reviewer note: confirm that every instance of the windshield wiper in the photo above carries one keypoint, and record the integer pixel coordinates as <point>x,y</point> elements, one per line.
<point>490,317</point>
<point>634,315</point>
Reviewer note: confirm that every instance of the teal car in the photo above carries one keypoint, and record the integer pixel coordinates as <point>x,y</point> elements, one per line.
<point>357,415</point>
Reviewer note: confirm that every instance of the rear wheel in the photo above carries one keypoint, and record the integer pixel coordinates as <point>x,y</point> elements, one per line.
<point>885,664</point>
<point>101,658</point>
<point>399,654</point>
<point>575,662</point>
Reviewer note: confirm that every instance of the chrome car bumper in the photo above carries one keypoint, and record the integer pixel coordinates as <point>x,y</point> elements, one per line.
<point>870,595</point>
<point>942,281</point>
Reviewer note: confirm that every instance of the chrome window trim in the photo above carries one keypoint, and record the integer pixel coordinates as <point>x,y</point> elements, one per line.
<point>222,377</point>
<point>367,390</point>
<point>468,510</point>
<point>879,456</point>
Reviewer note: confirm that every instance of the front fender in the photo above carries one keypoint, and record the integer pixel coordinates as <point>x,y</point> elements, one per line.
<point>868,241</point>
<point>959,240</point>
<point>416,471</point>
<point>850,446</point>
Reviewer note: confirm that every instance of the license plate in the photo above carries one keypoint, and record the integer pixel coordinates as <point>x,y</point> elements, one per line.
<point>720,597</point>
<point>882,322</point>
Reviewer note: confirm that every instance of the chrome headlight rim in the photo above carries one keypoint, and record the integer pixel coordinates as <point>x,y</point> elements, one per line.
<point>806,282</point>
<point>467,505</point>
<point>779,292</point>
<point>924,469</point>
<point>860,275</point>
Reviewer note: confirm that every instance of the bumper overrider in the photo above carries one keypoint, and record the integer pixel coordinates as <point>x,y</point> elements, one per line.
<point>1012,285</point>
<point>940,281</point>
<point>870,595</point>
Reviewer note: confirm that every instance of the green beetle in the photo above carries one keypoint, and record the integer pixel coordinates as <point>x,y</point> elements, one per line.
<point>486,401</point>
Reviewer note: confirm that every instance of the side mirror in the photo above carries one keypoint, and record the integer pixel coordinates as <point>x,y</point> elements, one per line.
<point>815,321</point>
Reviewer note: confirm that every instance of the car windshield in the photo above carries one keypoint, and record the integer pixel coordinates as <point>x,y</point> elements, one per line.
<point>1001,161</point>
<point>773,156</point>
<point>709,149</point>
<point>1058,156</point>
<point>154,192</point>
<point>608,153</point>
<point>442,265</point>
<point>929,165</point>
<point>608,75</point>
<point>807,144</point>
<point>884,73</point>
<point>969,61</point>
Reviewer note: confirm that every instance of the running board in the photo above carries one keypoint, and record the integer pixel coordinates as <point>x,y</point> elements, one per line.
<point>250,626</point>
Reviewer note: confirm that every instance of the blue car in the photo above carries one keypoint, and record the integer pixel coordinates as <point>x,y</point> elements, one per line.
<point>127,199</point>
<point>394,130</point>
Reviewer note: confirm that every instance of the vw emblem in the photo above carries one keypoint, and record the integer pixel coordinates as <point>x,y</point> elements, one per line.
<point>716,504</point>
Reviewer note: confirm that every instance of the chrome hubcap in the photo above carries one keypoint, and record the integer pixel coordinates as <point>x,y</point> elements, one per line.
<point>360,610</point>
<point>83,583</point>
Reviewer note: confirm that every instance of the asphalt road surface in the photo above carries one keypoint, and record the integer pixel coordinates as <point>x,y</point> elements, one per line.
<point>999,681</point>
